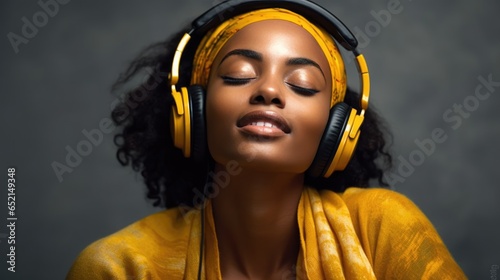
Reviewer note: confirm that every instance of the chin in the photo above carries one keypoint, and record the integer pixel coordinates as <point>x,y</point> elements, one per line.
<point>265,163</point>
<point>273,156</point>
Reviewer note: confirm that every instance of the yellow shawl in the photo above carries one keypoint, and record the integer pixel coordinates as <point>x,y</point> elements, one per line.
<point>360,234</point>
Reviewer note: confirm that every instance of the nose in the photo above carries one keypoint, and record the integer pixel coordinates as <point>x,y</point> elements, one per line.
<point>268,92</point>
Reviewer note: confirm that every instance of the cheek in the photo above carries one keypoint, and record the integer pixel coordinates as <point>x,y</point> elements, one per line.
<point>310,132</point>
<point>220,115</point>
<point>215,120</point>
<point>318,127</point>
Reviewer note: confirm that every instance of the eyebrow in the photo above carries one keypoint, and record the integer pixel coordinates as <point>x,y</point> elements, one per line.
<point>258,57</point>
<point>243,52</point>
<point>304,61</point>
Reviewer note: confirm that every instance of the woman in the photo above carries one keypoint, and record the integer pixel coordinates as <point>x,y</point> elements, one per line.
<point>254,160</point>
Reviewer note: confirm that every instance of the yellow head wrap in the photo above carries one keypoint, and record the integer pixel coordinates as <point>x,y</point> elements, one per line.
<point>217,38</point>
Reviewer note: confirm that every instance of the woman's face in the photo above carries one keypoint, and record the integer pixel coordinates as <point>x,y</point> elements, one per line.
<point>268,98</point>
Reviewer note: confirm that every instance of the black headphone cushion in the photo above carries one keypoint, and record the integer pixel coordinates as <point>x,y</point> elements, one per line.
<point>196,96</point>
<point>330,140</point>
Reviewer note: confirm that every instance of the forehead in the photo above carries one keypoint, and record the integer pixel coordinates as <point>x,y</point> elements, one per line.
<point>277,36</point>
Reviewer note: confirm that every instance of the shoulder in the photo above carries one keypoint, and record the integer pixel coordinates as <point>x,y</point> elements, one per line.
<point>397,237</point>
<point>379,210</point>
<point>377,201</point>
<point>376,211</point>
<point>132,251</point>
<point>355,195</point>
<point>168,225</point>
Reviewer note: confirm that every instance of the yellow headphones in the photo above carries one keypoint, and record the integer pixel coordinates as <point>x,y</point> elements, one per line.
<point>342,132</point>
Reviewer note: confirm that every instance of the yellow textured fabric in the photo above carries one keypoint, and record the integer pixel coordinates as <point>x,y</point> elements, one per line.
<point>212,43</point>
<point>360,234</point>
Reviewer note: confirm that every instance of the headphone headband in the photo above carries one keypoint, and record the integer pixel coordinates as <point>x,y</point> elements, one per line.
<point>312,11</point>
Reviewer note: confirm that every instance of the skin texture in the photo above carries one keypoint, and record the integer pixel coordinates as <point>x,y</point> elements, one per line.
<point>255,78</point>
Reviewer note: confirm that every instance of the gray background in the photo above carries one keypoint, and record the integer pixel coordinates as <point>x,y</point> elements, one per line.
<point>424,60</point>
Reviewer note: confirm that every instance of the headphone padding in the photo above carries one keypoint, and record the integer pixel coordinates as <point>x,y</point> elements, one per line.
<point>198,127</point>
<point>330,140</point>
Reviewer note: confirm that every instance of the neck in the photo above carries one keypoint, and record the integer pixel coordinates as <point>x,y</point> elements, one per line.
<point>256,224</point>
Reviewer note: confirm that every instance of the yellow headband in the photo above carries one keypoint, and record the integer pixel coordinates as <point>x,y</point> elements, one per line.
<point>216,39</point>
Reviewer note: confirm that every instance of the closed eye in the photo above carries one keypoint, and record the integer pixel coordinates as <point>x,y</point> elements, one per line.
<point>236,81</point>
<point>302,90</point>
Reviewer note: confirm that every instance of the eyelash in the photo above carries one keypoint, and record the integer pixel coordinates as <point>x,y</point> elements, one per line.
<point>242,81</point>
<point>302,90</point>
<point>235,81</point>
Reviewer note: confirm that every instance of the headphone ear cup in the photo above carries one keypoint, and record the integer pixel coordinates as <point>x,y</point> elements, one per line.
<point>328,146</point>
<point>196,96</point>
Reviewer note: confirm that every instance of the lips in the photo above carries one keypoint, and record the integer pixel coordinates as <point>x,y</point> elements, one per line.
<point>264,123</point>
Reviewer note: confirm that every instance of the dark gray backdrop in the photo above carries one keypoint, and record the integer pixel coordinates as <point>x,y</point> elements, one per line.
<point>426,61</point>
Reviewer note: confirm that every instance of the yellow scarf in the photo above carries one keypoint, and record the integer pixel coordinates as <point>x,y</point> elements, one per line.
<point>330,248</point>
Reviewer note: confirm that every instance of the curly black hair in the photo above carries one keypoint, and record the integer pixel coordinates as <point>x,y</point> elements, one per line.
<point>172,180</point>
